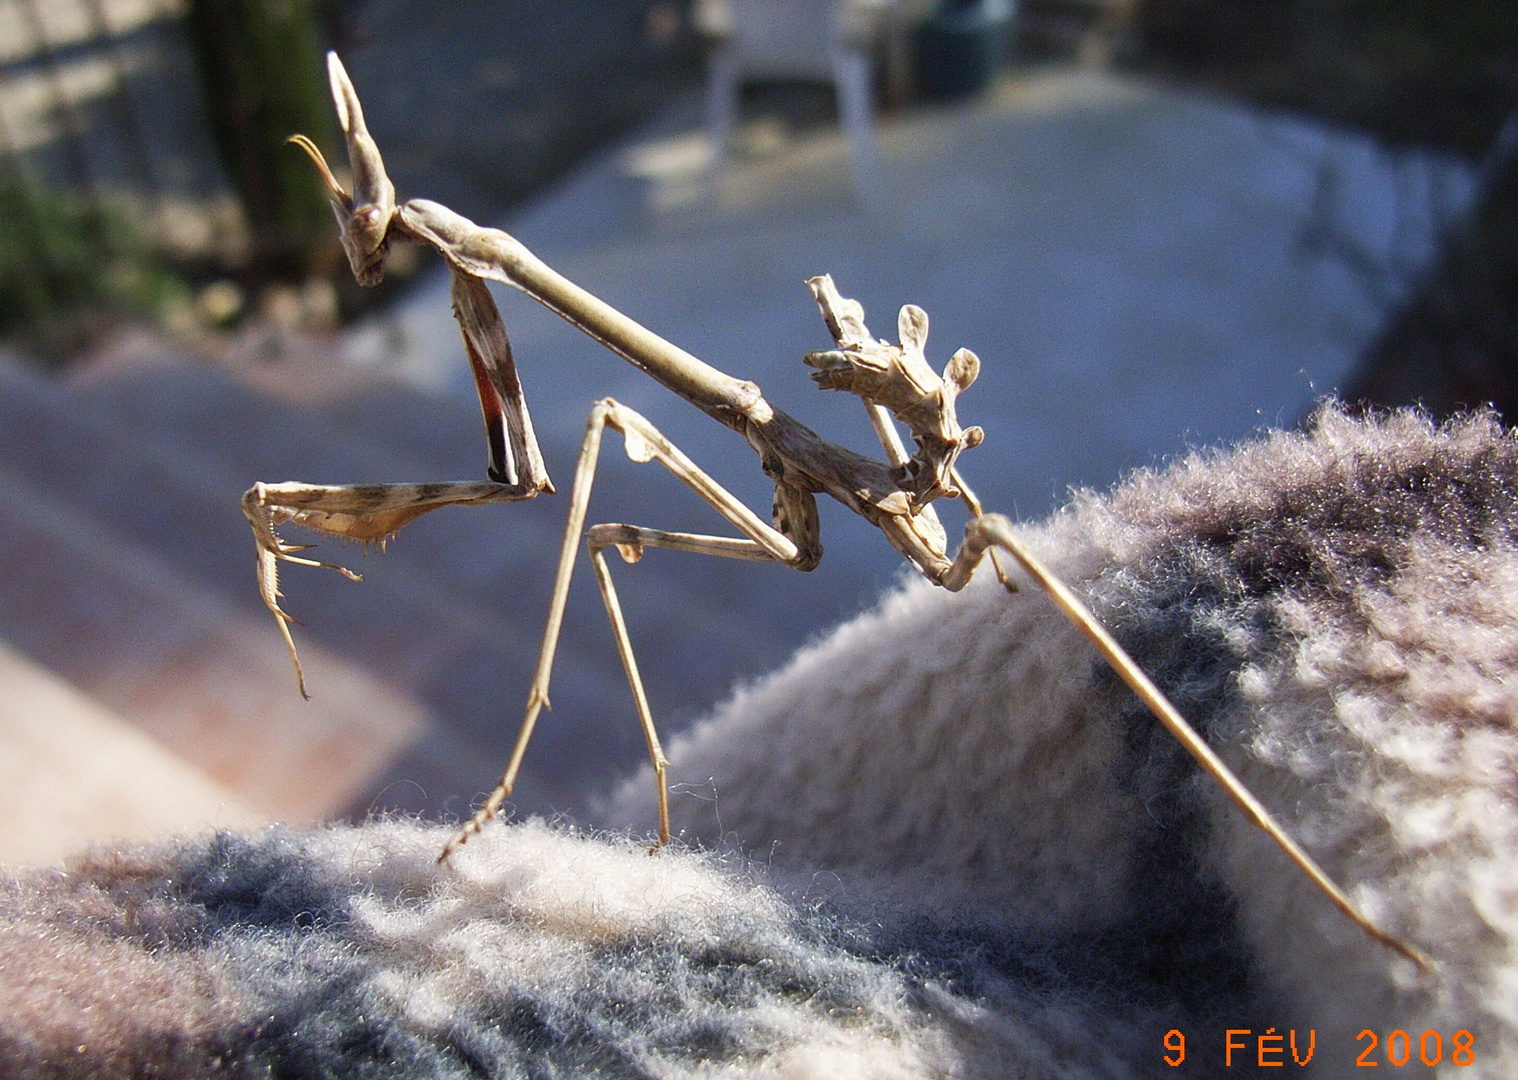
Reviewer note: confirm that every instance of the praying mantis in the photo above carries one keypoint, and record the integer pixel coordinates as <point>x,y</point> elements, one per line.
<point>894,382</point>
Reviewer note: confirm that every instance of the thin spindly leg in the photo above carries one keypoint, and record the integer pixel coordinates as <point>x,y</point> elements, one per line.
<point>634,681</point>
<point>991,531</point>
<point>644,443</point>
<point>630,540</point>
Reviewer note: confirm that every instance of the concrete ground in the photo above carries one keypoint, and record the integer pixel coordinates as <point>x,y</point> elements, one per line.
<point>128,785</point>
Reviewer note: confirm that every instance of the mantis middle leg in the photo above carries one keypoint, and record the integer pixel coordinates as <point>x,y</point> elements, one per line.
<point>761,542</point>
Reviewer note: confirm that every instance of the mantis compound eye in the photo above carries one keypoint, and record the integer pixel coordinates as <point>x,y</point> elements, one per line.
<point>366,243</point>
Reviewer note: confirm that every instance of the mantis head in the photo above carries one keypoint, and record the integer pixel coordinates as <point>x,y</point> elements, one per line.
<point>364,217</point>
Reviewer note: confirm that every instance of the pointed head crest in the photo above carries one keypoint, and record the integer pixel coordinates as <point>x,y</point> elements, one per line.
<point>363,217</point>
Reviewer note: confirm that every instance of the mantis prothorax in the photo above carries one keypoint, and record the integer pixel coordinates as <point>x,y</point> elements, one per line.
<point>893,381</point>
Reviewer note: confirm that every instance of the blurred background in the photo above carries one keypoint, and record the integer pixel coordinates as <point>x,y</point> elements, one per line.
<point>1160,223</point>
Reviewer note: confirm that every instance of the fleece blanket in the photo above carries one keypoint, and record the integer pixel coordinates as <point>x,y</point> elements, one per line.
<point>944,841</point>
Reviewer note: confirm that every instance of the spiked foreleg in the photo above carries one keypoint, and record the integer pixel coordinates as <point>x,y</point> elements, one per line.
<point>368,513</point>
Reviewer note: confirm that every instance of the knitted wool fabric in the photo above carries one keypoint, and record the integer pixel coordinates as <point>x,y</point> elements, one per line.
<point>1336,611</point>
<point>539,953</point>
<point>980,856</point>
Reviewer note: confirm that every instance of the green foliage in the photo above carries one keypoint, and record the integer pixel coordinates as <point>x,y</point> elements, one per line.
<point>66,266</point>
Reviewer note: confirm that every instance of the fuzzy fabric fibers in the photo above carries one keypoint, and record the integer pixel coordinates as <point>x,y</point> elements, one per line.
<point>977,854</point>
<point>1335,611</point>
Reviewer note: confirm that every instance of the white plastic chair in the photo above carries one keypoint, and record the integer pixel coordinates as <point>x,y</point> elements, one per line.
<point>830,41</point>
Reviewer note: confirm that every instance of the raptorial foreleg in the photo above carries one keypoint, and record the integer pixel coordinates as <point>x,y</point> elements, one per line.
<point>367,513</point>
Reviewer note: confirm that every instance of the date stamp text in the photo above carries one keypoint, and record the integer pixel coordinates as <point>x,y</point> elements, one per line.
<point>1271,1048</point>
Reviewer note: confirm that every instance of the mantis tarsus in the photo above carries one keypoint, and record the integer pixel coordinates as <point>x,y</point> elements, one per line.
<point>893,381</point>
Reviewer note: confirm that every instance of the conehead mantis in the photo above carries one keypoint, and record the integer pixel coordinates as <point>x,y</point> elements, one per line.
<point>894,381</point>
